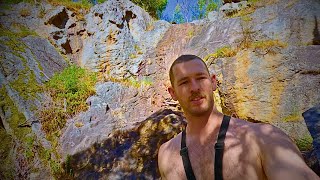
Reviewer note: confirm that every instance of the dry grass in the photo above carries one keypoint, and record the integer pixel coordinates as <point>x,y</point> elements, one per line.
<point>25,12</point>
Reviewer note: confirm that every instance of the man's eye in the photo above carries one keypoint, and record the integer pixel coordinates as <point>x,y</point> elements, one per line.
<point>183,82</point>
<point>202,77</point>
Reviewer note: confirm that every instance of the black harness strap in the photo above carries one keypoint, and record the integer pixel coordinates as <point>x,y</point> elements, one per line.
<point>219,146</point>
<point>185,158</point>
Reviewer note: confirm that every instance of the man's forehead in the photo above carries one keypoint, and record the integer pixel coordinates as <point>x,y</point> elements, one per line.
<point>193,66</point>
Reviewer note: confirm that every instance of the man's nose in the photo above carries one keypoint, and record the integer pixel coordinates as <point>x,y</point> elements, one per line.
<point>195,86</point>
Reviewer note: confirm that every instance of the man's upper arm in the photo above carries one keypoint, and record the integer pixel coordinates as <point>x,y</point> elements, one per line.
<point>161,164</point>
<point>281,158</point>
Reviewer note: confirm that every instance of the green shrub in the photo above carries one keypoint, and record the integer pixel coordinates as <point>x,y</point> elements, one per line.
<point>304,143</point>
<point>16,1</point>
<point>101,1</point>
<point>69,91</point>
<point>74,6</point>
<point>153,7</point>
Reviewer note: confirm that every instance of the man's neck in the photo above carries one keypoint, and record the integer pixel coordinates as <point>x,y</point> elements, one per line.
<point>202,127</point>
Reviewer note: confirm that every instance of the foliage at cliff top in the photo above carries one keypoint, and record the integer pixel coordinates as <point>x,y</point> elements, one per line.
<point>69,91</point>
<point>153,7</point>
<point>182,11</point>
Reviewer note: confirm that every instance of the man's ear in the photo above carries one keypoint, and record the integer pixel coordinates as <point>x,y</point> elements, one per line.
<point>214,81</point>
<point>172,93</point>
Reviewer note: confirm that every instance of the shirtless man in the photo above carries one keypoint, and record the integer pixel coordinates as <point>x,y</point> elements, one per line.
<point>251,151</point>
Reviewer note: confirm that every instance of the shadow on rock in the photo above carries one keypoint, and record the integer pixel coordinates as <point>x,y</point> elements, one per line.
<point>127,154</point>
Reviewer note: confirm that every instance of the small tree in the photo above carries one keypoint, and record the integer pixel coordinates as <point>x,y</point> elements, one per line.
<point>206,6</point>
<point>177,16</point>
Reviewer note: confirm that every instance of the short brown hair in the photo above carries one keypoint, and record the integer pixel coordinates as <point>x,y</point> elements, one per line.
<point>183,59</point>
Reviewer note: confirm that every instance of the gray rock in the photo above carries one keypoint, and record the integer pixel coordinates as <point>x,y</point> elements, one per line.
<point>113,107</point>
<point>130,153</point>
<point>294,22</point>
<point>312,119</point>
<point>274,88</point>
<point>213,16</point>
<point>117,37</point>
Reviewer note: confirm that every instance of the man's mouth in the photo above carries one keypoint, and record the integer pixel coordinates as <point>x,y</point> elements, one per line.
<point>197,99</point>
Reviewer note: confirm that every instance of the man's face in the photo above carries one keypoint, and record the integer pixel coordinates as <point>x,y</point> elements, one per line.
<point>193,87</point>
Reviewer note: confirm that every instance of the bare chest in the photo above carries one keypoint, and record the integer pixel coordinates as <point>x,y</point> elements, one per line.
<point>240,161</point>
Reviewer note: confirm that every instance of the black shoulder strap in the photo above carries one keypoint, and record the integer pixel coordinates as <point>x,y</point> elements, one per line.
<point>219,147</point>
<point>185,158</point>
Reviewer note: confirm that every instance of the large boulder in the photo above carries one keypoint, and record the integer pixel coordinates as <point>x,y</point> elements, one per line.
<point>114,107</point>
<point>312,118</point>
<point>126,154</point>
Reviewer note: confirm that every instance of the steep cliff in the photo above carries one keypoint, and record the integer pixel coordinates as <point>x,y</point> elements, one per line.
<point>265,55</point>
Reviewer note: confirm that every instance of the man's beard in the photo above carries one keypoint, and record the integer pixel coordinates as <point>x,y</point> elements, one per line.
<point>203,108</point>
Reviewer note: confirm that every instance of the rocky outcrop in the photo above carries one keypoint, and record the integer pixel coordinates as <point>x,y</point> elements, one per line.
<point>127,154</point>
<point>264,59</point>
<point>115,106</point>
<point>264,55</point>
<point>119,34</point>
<point>27,61</point>
<point>279,80</point>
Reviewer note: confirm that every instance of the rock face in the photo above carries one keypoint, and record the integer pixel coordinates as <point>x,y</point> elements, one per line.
<point>265,56</point>
<point>26,62</point>
<point>279,82</point>
<point>119,33</point>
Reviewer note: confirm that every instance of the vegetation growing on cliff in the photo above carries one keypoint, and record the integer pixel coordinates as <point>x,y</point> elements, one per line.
<point>6,168</point>
<point>225,51</point>
<point>69,91</point>
<point>304,143</point>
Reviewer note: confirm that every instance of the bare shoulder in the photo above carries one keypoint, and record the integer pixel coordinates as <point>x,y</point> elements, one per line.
<point>168,152</point>
<point>269,137</point>
<point>263,133</point>
<point>170,145</point>
<point>280,157</point>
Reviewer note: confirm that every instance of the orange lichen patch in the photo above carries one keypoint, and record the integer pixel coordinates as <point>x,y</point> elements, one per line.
<point>79,124</point>
<point>217,100</point>
<point>248,91</point>
<point>276,87</point>
<point>243,85</point>
<point>111,38</point>
<point>105,66</point>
